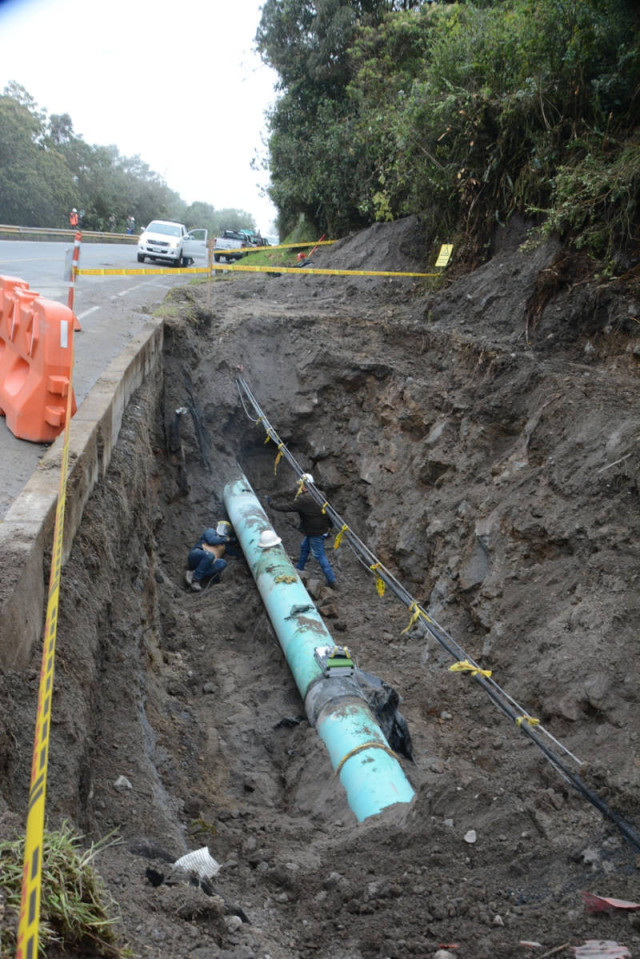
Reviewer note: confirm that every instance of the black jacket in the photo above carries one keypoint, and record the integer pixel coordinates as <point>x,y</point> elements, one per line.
<point>313,522</point>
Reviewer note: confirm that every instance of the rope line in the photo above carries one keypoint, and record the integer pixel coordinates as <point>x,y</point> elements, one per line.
<point>373,744</point>
<point>520,717</point>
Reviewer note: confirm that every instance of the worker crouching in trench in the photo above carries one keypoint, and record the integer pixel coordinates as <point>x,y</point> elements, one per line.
<point>205,560</point>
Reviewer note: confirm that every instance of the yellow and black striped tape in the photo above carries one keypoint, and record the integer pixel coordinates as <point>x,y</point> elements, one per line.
<point>29,922</point>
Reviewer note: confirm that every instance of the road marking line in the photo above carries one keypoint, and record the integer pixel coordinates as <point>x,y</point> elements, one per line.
<point>82,316</point>
<point>140,286</point>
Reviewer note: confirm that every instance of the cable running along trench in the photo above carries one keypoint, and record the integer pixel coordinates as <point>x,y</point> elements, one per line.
<point>554,751</point>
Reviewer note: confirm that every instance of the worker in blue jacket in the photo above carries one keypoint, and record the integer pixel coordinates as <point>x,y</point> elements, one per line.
<point>205,559</point>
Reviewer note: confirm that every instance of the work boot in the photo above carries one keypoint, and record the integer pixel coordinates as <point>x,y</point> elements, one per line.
<point>189,577</point>
<point>334,586</point>
<point>196,587</point>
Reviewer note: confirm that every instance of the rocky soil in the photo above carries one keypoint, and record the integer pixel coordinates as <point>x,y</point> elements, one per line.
<point>481,436</point>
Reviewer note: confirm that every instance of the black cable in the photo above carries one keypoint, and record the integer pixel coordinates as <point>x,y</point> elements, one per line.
<point>429,625</point>
<point>200,429</point>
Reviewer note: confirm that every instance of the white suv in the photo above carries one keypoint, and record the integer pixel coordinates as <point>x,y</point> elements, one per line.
<point>166,240</point>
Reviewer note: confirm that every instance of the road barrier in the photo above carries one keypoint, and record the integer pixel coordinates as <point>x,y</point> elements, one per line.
<point>44,232</point>
<point>36,359</point>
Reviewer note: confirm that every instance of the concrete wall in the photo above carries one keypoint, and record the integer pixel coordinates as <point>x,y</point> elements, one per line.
<point>26,532</point>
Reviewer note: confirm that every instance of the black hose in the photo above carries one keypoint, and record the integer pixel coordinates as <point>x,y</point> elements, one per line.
<point>495,693</point>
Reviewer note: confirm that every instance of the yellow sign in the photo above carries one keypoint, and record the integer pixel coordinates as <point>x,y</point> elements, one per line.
<point>444,255</point>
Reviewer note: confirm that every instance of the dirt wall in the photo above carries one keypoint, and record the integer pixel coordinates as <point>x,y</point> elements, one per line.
<point>489,461</point>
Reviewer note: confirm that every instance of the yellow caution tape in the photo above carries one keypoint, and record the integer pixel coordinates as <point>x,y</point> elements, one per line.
<point>466,667</point>
<point>247,250</point>
<point>324,505</point>
<point>338,539</point>
<point>241,268</point>
<point>530,720</point>
<point>278,458</point>
<point>286,246</point>
<point>29,921</point>
<point>414,618</point>
<point>286,579</point>
<point>442,261</point>
<point>300,485</point>
<point>380,583</point>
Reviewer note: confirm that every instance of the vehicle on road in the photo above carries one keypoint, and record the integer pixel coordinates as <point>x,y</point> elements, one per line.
<point>229,245</point>
<point>254,237</point>
<point>167,240</point>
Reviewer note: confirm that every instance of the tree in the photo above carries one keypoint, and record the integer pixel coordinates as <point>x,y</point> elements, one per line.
<point>34,182</point>
<point>469,110</point>
<point>45,170</point>
<point>60,129</point>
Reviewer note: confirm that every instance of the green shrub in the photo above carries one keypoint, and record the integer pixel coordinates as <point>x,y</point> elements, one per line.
<point>74,909</point>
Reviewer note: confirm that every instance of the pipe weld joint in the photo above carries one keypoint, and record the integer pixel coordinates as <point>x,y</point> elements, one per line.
<point>324,695</point>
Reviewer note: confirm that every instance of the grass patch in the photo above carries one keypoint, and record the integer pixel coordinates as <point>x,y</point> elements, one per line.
<point>75,908</point>
<point>276,258</point>
<point>304,233</point>
<point>168,311</point>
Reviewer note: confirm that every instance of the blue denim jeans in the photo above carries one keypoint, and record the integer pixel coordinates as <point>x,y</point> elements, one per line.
<point>204,564</point>
<point>315,545</point>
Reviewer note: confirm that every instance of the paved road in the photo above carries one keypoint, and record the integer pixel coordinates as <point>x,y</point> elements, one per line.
<point>111,311</point>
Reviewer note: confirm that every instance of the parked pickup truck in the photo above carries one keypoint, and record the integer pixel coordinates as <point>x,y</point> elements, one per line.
<point>229,246</point>
<point>166,240</point>
<point>254,237</point>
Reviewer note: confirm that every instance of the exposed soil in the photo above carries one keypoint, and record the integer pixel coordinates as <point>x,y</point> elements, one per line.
<point>483,441</point>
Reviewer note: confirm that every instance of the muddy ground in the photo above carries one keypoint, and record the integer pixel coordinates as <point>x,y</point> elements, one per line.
<point>482,439</point>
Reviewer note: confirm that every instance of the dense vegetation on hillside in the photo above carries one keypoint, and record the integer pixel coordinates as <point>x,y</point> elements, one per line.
<point>467,111</point>
<point>46,169</point>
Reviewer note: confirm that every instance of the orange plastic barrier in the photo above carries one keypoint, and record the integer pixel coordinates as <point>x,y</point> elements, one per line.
<point>36,357</point>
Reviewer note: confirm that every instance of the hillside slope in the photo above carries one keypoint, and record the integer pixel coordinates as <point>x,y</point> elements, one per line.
<point>482,440</point>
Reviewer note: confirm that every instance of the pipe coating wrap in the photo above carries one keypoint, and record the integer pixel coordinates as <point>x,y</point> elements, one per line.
<point>368,769</point>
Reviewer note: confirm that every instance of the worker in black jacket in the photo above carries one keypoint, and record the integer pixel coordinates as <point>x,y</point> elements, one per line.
<point>314,524</point>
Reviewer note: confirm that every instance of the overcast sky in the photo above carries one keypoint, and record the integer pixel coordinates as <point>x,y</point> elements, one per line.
<point>177,83</point>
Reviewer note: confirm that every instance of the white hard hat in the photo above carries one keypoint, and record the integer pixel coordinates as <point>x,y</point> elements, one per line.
<point>307,478</point>
<point>268,538</point>
<point>74,210</point>
<point>223,527</point>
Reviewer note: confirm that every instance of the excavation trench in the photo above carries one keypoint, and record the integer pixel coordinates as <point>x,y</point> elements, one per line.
<point>467,467</point>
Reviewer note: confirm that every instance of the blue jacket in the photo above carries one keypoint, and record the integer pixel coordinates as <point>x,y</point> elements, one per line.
<point>211,538</point>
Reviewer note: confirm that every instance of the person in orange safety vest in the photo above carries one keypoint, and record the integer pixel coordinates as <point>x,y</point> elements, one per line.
<point>73,219</point>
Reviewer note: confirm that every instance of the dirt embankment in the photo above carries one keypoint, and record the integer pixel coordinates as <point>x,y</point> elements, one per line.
<point>482,441</point>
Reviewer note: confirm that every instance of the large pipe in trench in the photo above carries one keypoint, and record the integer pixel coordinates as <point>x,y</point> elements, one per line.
<point>367,767</point>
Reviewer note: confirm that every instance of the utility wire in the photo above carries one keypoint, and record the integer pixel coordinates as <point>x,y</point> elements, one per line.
<point>527,724</point>
<point>198,424</point>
